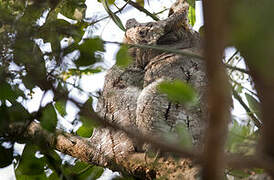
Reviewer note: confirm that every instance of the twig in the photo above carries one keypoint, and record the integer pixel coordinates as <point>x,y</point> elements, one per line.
<point>140,8</point>
<point>243,87</point>
<point>160,12</point>
<point>249,113</point>
<point>103,18</point>
<point>236,68</point>
<point>184,52</point>
<point>82,149</point>
<point>233,55</point>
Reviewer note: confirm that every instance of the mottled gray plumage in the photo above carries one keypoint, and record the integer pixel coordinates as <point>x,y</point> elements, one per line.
<point>130,97</point>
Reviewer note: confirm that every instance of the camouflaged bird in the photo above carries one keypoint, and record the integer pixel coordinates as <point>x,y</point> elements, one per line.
<point>130,97</point>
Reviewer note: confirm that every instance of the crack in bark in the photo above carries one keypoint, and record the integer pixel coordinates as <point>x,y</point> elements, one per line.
<point>186,73</point>
<point>187,122</point>
<point>167,111</point>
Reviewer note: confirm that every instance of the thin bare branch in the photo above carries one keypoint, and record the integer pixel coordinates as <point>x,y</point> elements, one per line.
<point>184,52</point>
<point>249,113</point>
<point>236,68</point>
<point>140,8</point>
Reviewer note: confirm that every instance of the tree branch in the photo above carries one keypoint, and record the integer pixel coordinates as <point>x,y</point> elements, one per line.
<point>185,52</point>
<point>249,113</point>
<point>135,164</point>
<point>218,90</point>
<point>236,68</point>
<point>140,8</point>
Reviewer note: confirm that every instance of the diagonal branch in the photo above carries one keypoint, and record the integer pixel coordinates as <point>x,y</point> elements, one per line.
<point>80,148</point>
<point>140,8</point>
<point>250,114</point>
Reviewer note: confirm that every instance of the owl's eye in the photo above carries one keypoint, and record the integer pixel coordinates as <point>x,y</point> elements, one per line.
<point>142,33</point>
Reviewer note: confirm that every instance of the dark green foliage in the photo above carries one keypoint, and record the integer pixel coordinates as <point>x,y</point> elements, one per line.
<point>29,163</point>
<point>60,106</point>
<point>12,114</point>
<point>241,138</point>
<point>17,113</point>
<point>83,171</point>
<point>49,118</point>
<point>87,128</point>
<point>4,118</point>
<point>6,92</point>
<point>87,51</point>
<point>6,156</point>
<point>68,8</point>
<point>88,124</point>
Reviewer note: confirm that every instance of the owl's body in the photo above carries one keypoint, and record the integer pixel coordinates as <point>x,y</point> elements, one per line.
<point>130,96</point>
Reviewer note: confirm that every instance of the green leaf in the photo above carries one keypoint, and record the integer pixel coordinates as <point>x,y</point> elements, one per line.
<point>80,72</point>
<point>32,177</point>
<point>178,91</point>
<point>123,59</point>
<point>253,104</point>
<point>88,124</point>
<point>239,138</point>
<point>18,113</point>
<point>28,82</point>
<point>53,160</point>
<point>53,176</point>
<point>6,92</point>
<point>113,16</point>
<point>55,30</point>
<point>92,173</point>
<point>6,156</point>
<point>32,13</point>
<point>83,171</point>
<point>191,15</point>
<point>61,107</point>
<point>49,118</point>
<point>92,45</point>
<point>23,50</point>
<point>29,163</point>
<point>239,173</point>
<point>86,129</point>
<point>87,51</point>
<point>68,7</point>
<point>4,117</point>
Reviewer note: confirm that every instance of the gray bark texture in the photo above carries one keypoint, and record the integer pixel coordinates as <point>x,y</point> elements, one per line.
<point>130,97</point>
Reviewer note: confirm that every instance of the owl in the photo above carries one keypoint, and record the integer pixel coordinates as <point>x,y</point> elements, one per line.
<point>130,96</point>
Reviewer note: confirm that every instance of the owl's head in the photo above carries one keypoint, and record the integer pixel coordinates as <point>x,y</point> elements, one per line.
<point>164,30</point>
<point>143,33</point>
